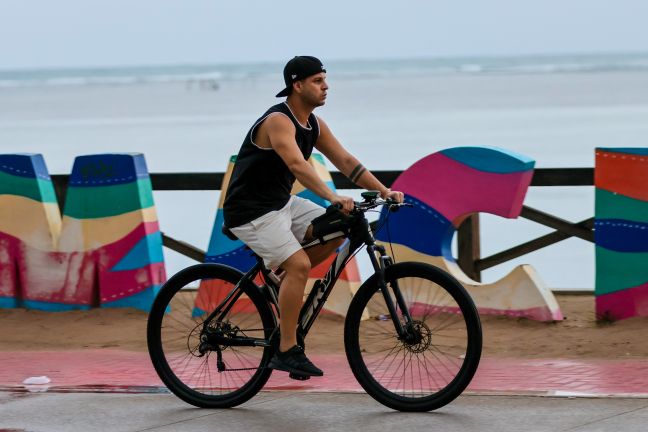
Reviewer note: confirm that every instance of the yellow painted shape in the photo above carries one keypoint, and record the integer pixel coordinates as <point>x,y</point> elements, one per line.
<point>36,223</point>
<point>39,225</point>
<point>297,188</point>
<point>89,234</point>
<point>225,184</point>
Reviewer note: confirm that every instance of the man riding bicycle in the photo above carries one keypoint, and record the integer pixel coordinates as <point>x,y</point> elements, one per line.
<point>260,210</point>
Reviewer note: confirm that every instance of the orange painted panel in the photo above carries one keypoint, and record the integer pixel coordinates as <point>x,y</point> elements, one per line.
<point>621,173</point>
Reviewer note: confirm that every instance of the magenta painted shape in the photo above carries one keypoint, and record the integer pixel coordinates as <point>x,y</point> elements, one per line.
<point>117,285</point>
<point>78,282</point>
<point>112,283</point>
<point>455,189</point>
<point>9,284</point>
<point>623,304</point>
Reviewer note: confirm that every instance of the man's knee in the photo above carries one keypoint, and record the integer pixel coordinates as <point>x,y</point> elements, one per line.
<point>297,265</point>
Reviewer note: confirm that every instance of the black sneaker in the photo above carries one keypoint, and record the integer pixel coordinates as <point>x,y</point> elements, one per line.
<point>295,361</point>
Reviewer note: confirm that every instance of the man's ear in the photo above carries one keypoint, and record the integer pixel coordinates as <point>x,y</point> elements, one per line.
<point>298,85</point>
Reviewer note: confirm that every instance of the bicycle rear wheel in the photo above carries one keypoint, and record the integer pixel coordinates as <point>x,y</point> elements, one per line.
<point>436,361</point>
<point>176,324</point>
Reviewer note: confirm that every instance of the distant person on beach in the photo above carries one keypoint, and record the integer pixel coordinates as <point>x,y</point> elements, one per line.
<point>260,210</point>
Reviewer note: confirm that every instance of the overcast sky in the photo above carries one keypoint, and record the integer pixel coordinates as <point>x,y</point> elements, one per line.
<point>73,33</point>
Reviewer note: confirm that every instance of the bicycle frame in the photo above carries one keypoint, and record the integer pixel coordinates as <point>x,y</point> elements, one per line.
<point>360,236</point>
<point>322,288</point>
<point>321,291</point>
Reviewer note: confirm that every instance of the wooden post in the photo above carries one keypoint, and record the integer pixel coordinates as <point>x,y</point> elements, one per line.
<point>469,247</point>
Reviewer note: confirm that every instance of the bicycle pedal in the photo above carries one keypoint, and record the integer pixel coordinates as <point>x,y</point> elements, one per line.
<point>298,377</point>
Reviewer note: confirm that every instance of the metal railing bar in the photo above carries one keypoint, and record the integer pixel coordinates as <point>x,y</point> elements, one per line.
<point>563,177</point>
<point>526,248</point>
<point>557,223</point>
<point>184,248</point>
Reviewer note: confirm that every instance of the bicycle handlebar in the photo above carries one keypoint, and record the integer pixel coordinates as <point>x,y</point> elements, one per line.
<point>363,206</point>
<point>377,202</point>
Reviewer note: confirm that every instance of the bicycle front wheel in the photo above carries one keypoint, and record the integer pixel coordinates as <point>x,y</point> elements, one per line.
<point>435,361</point>
<point>177,323</point>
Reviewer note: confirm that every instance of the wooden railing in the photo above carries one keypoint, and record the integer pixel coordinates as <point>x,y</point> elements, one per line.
<point>468,238</point>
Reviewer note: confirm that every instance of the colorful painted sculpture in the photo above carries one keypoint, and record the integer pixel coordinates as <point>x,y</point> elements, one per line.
<point>445,188</point>
<point>105,251</point>
<point>29,220</point>
<point>621,232</point>
<point>233,253</point>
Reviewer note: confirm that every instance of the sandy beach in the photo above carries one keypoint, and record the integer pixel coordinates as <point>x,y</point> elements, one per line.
<point>579,335</point>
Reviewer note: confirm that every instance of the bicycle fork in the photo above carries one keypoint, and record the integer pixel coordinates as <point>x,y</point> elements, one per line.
<point>380,265</point>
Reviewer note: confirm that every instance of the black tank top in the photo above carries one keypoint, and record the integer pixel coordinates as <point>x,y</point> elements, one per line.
<point>261,182</point>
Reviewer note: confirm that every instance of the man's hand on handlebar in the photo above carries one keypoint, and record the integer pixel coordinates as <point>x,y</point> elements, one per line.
<point>394,196</point>
<point>344,202</point>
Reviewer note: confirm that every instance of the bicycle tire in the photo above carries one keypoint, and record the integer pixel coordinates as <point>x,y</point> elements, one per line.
<point>195,379</point>
<point>364,349</point>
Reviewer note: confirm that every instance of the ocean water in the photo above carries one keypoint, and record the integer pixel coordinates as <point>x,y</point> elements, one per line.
<point>389,113</point>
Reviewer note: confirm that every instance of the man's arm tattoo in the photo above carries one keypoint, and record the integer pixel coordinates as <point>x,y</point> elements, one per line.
<point>356,173</point>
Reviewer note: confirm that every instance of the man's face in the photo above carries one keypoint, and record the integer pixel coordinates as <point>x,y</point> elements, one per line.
<point>313,89</point>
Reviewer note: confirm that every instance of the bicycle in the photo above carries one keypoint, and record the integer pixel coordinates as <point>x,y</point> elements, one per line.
<point>412,334</point>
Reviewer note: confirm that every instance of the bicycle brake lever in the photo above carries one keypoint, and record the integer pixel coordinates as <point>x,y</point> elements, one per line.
<point>395,206</point>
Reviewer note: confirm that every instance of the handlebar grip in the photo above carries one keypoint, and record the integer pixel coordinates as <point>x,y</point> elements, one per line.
<point>402,204</point>
<point>394,206</point>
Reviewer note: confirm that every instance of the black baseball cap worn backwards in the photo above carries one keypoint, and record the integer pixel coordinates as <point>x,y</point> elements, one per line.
<point>298,68</point>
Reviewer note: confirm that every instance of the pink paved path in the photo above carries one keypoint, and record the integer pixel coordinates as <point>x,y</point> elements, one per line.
<point>114,370</point>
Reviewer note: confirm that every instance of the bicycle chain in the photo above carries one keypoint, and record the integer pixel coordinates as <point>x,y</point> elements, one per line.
<point>240,369</point>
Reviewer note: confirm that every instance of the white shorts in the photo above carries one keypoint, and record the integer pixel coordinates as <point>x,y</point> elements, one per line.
<point>277,235</point>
